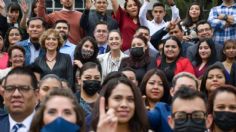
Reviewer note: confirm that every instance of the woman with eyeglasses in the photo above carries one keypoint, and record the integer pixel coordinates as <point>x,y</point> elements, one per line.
<point>222,108</point>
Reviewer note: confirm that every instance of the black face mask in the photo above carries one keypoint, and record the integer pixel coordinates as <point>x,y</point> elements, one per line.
<point>198,125</point>
<point>137,52</point>
<point>91,86</point>
<point>226,121</point>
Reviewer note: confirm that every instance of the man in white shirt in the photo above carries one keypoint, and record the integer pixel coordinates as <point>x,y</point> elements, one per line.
<point>20,96</point>
<point>158,12</point>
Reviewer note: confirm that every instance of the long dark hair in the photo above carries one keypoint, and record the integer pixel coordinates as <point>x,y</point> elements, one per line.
<point>6,40</point>
<point>14,6</point>
<point>224,48</point>
<point>166,96</point>
<point>188,22</point>
<point>212,58</point>
<point>225,88</point>
<point>205,76</point>
<point>77,53</point>
<point>135,62</point>
<point>37,122</point>
<point>138,122</point>
<point>163,59</point>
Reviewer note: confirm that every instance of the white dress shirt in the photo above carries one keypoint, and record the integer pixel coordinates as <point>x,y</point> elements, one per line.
<point>26,122</point>
<point>152,25</point>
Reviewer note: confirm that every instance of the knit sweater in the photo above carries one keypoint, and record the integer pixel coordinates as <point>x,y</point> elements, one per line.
<point>72,17</point>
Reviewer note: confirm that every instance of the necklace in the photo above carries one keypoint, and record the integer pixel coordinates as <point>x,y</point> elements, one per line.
<point>51,60</point>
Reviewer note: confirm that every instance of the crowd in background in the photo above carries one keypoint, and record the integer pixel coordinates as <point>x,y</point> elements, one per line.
<point>121,72</point>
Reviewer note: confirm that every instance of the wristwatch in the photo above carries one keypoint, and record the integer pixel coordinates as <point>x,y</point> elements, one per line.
<point>225,17</point>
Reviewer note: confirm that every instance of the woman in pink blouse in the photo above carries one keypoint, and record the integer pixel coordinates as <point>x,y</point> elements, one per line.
<point>3,55</point>
<point>127,19</point>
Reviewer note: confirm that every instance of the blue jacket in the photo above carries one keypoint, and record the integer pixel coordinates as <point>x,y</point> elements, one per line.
<point>4,123</point>
<point>25,44</point>
<point>158,117</point>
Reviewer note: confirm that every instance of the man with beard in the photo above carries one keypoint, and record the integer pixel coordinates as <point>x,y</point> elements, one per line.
<point>35,28</point>
<point>63,27</point>
<point>66,13</point>
<point>90,18</point>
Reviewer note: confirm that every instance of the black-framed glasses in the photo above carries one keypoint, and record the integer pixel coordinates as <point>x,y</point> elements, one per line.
<point>20,88</point>
<point>195,116</point>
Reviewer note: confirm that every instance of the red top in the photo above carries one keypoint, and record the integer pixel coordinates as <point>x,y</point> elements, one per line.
<point>4,60</point>
<point>182,65</point>
<point>127,27</point>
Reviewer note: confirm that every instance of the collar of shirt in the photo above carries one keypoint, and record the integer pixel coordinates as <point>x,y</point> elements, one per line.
<point>223,5</point>
<point>64,9</point>
<point>103,45</point>
<point>26,122</point>
<point>162,22</point>
<point>67,43</point>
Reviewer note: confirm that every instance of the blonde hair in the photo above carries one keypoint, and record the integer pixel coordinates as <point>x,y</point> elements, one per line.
<point>49,32</point>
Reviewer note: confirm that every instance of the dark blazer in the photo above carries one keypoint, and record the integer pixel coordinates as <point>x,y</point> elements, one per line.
<point>233,74</point>
<point>4,123</point>
<point>63,67</point>
<point>89,20</point>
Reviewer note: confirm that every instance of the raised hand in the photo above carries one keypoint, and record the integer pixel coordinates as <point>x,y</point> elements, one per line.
<point>24,6</point>
<point>78,63</point>
<point>88,4</point>
<point>107,120</point>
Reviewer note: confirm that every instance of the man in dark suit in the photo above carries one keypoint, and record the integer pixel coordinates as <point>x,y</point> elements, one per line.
<point>20,98</point>
<point>204,30</point>
<point>100,34</point>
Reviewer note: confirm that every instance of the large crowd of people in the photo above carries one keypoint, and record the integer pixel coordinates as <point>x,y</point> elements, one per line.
<point>121,72</point>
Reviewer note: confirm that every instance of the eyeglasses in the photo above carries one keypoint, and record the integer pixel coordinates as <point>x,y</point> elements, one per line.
<point>22,89</point>
<point>182,116</point>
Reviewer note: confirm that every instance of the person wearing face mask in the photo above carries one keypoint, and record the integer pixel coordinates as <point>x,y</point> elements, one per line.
<point>222,107</point>
<point>140,59</point>
<point>85,51</point>
<point>90,84</point>
<point>59,111</point>
<point>189,112</point>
